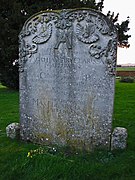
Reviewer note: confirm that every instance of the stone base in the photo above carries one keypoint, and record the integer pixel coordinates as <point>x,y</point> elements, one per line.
<point>13,130</point>
<point>119,138</point>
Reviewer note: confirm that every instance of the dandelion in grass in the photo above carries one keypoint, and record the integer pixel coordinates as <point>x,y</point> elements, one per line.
<point>34,152</point>
<point>29,155</point>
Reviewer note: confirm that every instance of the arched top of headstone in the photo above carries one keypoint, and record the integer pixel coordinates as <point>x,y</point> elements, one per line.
<point>70,12</point>
<point>62,15</point>
<point>86,25</point>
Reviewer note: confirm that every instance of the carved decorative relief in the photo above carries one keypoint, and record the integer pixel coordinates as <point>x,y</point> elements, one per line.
<point>88,27</point>
<point>64,36</point>
<point>89,30</point>
<point>44,34</point>
<point>96,50</point>
<point>63,21</point>
<point>111,56</point>
<point>86,34</point>
<point>43,19</point>
<point>63,31</point>
<point>102,25</point>
<point>40,29</point>
<point>25,50</point>
<point>80,16</point>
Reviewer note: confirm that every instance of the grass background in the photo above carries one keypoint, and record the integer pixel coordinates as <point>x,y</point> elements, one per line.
<point>125,68</point>
<point>62,164</point>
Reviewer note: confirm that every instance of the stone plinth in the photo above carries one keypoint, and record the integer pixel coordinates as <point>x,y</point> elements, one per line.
<point>119,138</point>
<point>13,131</point>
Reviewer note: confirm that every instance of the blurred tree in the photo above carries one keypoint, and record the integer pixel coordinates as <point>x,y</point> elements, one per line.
<point>14,13</point>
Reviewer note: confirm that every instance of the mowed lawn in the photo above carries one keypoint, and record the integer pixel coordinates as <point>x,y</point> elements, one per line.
<point>125,69</point>
<point>56,163</point>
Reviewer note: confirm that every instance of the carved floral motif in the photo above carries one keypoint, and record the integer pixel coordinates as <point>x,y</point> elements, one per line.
<point>86,33</point>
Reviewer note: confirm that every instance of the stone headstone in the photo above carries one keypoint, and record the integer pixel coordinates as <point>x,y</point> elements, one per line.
<point>67,78</point>
<point>13,130</point>
<point>119,138</point>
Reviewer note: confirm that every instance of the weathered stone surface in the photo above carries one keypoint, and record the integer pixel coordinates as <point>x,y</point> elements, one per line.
<point>13,130</point>
<point>67,78</point>
<point>119,138</point>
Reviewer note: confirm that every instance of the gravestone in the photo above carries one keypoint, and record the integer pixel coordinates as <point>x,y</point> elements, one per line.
<point>67,78</point>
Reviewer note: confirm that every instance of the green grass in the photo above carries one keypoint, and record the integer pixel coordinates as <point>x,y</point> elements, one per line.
<point>124,109</point>
<point>63,165</point>
<point>125,68</point>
